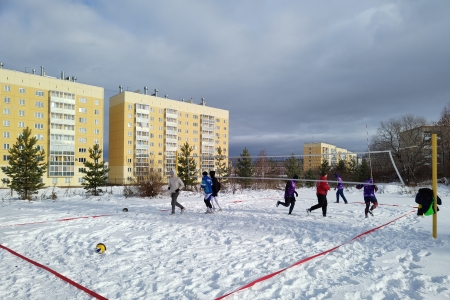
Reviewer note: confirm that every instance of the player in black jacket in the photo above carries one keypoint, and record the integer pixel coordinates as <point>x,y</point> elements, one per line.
<point>216,189</point>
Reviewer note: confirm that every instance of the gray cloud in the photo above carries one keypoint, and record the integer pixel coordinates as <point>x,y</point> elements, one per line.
<point>288,72</point>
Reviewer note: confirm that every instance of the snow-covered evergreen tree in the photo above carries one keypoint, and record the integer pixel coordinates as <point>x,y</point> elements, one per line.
<point>95,170</point>
<point>26,165</point>
<point>187,166</point>
<point>245,168</point>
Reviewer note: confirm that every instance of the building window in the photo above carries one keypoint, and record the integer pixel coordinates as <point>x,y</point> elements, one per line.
<point>159,145</point>
<point>82,140</point>
<point>7,100</point>
<point>21,124</point>
<point>225,121</point>
<point>160,111</point>
<point>82,150</point>
<point>195,124</point>
<point>82,100</point>
<point>82,110</point>
<point>130,152</point>
<point>129,160</point>
<point>96,102</point>
<point>82,159</point>
<point>187,131</point>
<point>160,119</point>
<point>39,93</point>
<point>130,106</point>
<point>130,133</point>
<point>54,180</point>
<point>6,111</point>
<point>21,90</point>
<point>39,104</point>
<point>39,115</point>
<point>96,142</point>
<point>130,143</point>
<point>96,122</point>
<point>82,130</point>
<point>160,136</point>
<point>21,113</point>
<point>5,146</point>
<point>129,170</point>
<point>82,120</point>
<point>7,88</point>
<point>129,116</point>
<point>66,180</point>
<point>187,123</point>
<point>6,134</point>
<point>96,131</point>
<point>217,127</point>
<point>5,157</point>
<point>187,115</point>
<point>5,123</point>
<point>160,127</point>
<point>129,124</point>
<point>21,101</point>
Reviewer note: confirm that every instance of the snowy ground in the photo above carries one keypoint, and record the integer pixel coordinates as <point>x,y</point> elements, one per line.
<point>152,255</point>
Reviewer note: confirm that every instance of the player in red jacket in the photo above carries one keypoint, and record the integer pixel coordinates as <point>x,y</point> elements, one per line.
<point>322,189</point>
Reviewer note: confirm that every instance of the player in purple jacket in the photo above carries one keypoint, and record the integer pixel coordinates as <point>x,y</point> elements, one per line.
<point>369,195</point>
<point>289,192</point>
<point>340,188</point>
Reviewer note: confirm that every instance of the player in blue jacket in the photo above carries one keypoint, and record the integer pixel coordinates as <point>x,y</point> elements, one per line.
<point>207,188</point>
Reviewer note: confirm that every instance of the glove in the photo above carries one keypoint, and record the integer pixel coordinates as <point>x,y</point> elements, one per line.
<point>296,194</point>
<point>177,190</point>
<point>169,187</point>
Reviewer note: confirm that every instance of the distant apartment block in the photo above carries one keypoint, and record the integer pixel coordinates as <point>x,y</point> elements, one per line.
<point>316,152</point>
<point>147,130</point>
<point>65,116</point>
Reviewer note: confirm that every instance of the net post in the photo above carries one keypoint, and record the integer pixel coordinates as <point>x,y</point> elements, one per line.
<point>434,180</point>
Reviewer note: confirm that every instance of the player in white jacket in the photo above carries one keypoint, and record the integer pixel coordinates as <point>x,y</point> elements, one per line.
<point>175,185</point>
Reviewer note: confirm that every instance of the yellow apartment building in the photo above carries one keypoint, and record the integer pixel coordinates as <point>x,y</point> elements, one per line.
<point>316,152</point>
<point>147,130</point>
<point>65,116</point>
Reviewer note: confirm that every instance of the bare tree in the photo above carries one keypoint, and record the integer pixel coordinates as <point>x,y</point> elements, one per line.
<point>444,139</point>
<point>261,168</point>
<point>405,139</point>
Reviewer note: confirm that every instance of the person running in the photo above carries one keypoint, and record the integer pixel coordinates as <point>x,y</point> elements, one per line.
<point>369,195</point>
<point>175,185</point>
<point>215,190</point>
<point>322,189</point>
<point>340,189</point>
<point>289,192</point>
<point>207,188</point>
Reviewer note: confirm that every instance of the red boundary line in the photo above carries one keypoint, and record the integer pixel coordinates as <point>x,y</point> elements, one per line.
<point>64,278</point>
<point>309,258</point>
<point>60,220</point>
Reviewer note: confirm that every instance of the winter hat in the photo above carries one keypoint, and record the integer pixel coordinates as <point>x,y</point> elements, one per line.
<point>295,176</point>
<point>205,173</point>
<point>336,175</point>
<point>171,172</point>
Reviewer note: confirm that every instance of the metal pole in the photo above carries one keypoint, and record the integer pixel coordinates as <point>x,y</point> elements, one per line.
<point>434,180</point>
<point>395,167</point>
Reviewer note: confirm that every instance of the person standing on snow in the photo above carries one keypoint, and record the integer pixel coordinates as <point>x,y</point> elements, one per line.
<point>207,188</point>
<point>340,189</point>
<point>289,192</point>
<point>322,189</point>
<point>175,185</point>
<point>215,190</point>
<point>369,195</point>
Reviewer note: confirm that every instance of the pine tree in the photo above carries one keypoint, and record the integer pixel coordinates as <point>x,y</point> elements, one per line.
<point>26,166</point>
<point>187,166</point>
<point>324,167</point>
<point>222,169</point>
<point>96,172</point>
<point>310,175</point>
<point>245,168</point>
<point>293,166</point>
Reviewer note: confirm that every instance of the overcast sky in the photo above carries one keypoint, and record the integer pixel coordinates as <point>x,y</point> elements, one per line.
<point>289,72</point>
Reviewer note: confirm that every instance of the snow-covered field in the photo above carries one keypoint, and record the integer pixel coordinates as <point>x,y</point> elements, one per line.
<point>152,255</point>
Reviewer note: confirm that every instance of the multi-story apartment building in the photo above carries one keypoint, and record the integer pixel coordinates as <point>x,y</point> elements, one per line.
<point>65,116</point>
<point>147,130</point>
<point>316,152</point>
